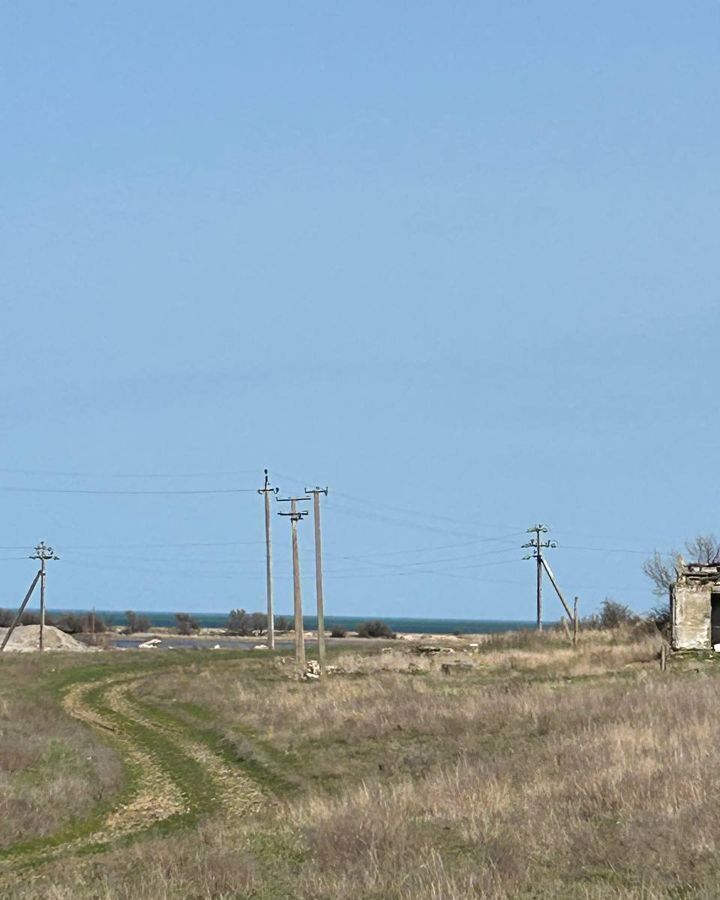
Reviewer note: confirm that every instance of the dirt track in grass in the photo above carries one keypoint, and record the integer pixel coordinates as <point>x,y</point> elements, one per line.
<point>175,776</point>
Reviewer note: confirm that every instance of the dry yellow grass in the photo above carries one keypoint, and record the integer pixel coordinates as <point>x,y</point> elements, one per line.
<point>538,772</point>
<point>52,770</point>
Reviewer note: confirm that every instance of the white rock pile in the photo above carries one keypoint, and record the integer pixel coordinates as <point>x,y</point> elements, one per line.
<point>26,638</point>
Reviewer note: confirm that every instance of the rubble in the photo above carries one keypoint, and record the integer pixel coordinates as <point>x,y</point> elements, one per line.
<point>431,649</point>
<point>311,672</point>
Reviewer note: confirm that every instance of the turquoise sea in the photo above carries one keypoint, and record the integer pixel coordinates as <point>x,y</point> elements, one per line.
<point>421,626</point>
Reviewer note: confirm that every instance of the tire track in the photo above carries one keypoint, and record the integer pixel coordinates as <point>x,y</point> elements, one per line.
<point>235,791</point>
<point>159,780</point>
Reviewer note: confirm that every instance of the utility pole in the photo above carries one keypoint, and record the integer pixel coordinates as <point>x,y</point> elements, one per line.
<point>537,547</point>
<point>295,515</point>
<point>43,553</point>
<point>16,620</point>
<point>267,491</point>
<point>316,491</point>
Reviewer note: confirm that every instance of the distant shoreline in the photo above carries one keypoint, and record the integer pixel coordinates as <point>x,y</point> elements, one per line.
<point>399,624</point>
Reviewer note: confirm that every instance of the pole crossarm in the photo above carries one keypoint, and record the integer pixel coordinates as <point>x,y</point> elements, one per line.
<point>43,552</point>
<point>295,514</point>
<point>268,489</point>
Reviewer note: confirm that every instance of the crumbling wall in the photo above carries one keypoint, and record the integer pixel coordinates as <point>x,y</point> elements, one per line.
<point>690,602</point>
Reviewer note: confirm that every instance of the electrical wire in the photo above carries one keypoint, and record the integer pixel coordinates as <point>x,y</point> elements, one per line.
<point>153,545</point>
<point>606,549</point>
<point>121,475</point>
<point>26,490</point>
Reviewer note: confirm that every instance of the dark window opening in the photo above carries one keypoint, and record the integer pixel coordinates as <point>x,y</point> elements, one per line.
<point>715,618</point>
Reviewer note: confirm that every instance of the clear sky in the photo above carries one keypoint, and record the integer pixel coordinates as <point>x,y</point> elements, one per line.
<point>458,261</point>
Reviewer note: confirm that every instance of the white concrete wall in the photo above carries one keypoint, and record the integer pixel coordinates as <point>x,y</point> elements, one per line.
<point>691,615</point>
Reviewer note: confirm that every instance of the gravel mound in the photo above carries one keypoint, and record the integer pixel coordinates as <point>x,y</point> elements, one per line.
<point>25,639</point>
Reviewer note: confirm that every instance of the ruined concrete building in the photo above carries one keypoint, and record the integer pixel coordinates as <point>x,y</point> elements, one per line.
<point>695,606</point>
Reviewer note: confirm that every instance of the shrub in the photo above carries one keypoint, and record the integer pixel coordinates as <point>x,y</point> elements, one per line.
<point>186,624</point>
<point>282,623</point>
<point>32,617</point>
<point>612,615</point>
<point>659,616</point>
<point>72,623</point>
<point>258,623</point>
<point>338,631</point>
<point>241,623</point>
<point>238,622</point>
<point>375,629</point>
<point>136,622</point>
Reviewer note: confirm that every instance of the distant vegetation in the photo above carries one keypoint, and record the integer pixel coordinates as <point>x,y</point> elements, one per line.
<point>338,631</point>
<point>375,629</point>
<point>70,623</point>
<point>186,624</point>
<point>244,624</point>
<point>136,622</point>
<point>615,615</point>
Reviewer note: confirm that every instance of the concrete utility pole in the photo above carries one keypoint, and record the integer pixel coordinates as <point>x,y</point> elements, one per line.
<point>296,516</point>
<point>267,491</point>
<point>16,620</point>
<point>537,547</point>
<point>316,491</point>
<point>43,553</point>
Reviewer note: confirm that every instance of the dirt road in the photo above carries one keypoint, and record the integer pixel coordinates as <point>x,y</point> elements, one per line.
<point>175,775</point>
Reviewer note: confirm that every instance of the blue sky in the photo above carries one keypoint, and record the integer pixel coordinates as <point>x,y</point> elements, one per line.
<point>456,261</point>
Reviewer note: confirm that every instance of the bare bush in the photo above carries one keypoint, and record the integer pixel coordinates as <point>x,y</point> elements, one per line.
<point>375,629</point>
<point>136,622</point>
<point>186,624</point>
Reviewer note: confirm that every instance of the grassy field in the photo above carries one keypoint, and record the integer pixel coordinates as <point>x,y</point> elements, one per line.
<point>532,770</point>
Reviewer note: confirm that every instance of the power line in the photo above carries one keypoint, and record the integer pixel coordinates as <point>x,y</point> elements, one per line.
<point>152,545</point>
<point>406,511</point>
<point>415,512</point>
<point>432,562</point>
<point>609,550</point>
<point>53,474</point>
<point>372,516</point>
<point>26,490</point>
<point>427,549</point>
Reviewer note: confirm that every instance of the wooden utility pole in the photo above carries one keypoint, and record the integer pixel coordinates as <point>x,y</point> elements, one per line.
<point>267,491</point>
<point>295,515</point>
<point>43,553</point>
<point>537,547</point>
<point>316,491</point>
